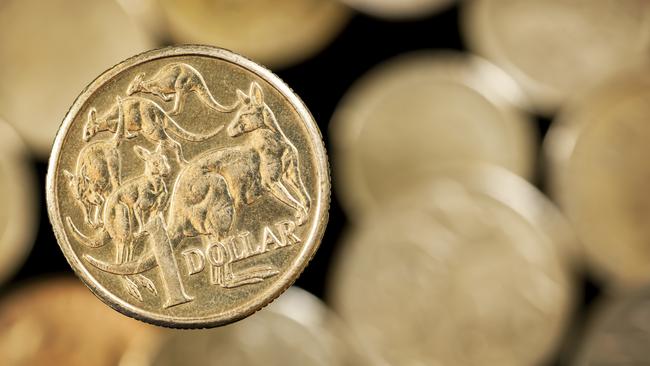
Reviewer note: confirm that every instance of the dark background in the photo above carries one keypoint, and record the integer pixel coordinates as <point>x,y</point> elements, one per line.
<point>321,81</point>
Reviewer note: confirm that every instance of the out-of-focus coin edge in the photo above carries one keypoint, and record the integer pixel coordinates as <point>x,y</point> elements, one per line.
<point>285,280</point>
<point>397,12</point>
<point>468,69</point>
<point>605,310</point>
<point>506,188</point>
<point>22,216</point>
<point>562,138</point>
<point>341,14</point>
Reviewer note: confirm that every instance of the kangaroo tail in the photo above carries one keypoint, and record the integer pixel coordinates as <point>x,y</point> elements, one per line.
<point>187,135</point>
<point>206,97</point>
<point>128,268</point>
<point>97,241</point>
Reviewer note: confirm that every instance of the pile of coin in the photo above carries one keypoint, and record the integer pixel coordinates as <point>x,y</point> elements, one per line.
<point>483,192</point>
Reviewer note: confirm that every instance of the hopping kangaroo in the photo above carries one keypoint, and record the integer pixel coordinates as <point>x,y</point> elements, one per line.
<point>272,154</point>
<point>129,208</point>
<point>142,115</point>
<point>97,173</point>
<point>177,81</point>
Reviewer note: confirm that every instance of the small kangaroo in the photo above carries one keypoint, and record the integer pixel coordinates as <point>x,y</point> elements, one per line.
<point>144,116</point>
<point>177,80</point>
<point>97,173</point>
<point>127,210</point>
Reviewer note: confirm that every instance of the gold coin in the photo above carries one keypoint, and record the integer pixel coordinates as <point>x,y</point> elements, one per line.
<point>276,33</point>
<point>58,322</point>
<point>295,330</point>
<point>619,333</point>
<point>48,52</point>
<point>556,48</point>
<point>596,152</point>
<point>19,197</point>
<point>402,9</point>
<point>464,271</point>
<point>418,111</point>
<point>188,187</point>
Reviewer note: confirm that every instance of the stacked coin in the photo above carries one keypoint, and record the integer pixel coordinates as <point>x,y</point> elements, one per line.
<point>59,322</point>
<point>295,330</point>
<point>407,116</point>
<point>556,48</point>
<point>596,153</point>
<point>48,52</point>
<point>464,270</point>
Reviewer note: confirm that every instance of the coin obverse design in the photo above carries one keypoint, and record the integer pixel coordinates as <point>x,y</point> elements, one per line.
<point>188,187</point>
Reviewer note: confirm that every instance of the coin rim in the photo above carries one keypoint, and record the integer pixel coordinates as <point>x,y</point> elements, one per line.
<point>444,66</point>
<point>283,281</point>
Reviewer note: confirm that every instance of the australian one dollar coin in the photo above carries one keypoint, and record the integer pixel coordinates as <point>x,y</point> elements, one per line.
<point>188,187</point>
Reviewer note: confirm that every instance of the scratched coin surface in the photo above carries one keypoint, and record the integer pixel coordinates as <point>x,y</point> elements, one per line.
<point>619,333</point>
<point>296,329</point>
<point>276,33</point>
<point>188,186</point>
<point>58,322</point>
<point>421,110</point>
<point>402,9</point>
<point>596,153</point>
<point>48,52</point>
<point>462,272</point>
<point>556,48</point>
<point>19,197</point>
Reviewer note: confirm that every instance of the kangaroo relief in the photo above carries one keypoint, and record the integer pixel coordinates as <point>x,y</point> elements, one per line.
<point>188,228</point>
<point>176,81</point>
<point>143,116</point>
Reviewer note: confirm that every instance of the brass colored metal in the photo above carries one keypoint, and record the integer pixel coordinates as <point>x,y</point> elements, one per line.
<point>596,151</point>
<point>18,195</point>
<point>419,111</point>
<point>48,52</point>
<point>276,33</point>
<point>464,271</point>
<point>557,48</point>
<point>619,332</point>
<point>58,322</point>
<point>188,187</point>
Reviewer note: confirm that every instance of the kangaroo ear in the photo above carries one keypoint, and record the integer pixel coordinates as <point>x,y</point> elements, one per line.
<point>141,152</point>
<point>256,94</point>
<point>243,98</point>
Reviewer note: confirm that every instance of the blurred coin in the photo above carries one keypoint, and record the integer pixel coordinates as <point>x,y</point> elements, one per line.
<point>188,187</point>
<point>48,52</point>
<point>295,330</point>
<point>399,9</point>
<point>58,322</point>
<point>462,272</point>
<point>619,334</point>
<point>597,151</point>
<point>18,196</point>
<point>417,111</point>
<point>556,48</point>
<point>275,33</point>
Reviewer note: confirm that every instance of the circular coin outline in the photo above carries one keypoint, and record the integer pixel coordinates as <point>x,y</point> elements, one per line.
<point>444,66</point>
<point>284,280</point>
